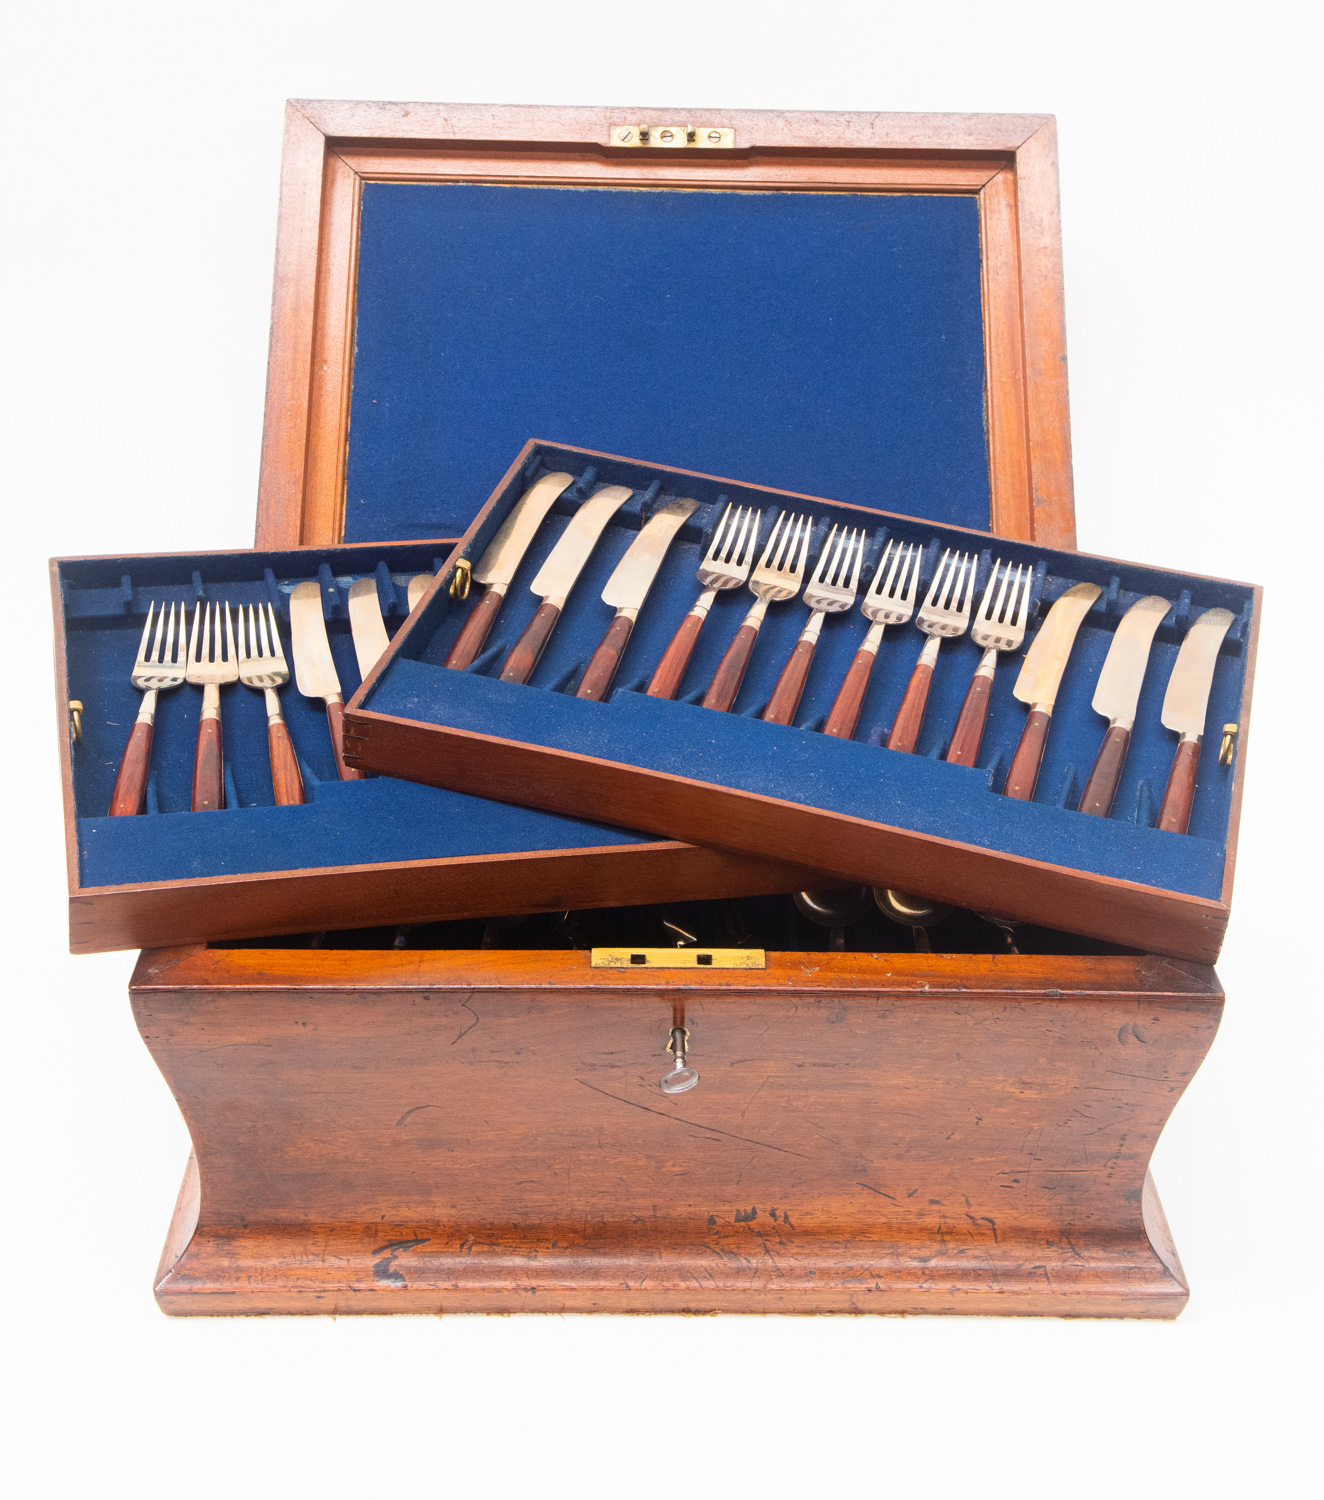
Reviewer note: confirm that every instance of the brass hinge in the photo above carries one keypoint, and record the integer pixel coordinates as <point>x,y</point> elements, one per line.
<point>671,137</point>
<point>678,958</point>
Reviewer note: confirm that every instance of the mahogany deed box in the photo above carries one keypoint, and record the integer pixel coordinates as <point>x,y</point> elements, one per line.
<point>466,1116</point>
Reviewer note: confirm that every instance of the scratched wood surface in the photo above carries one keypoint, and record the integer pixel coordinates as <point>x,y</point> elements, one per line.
<point>485,1132</point>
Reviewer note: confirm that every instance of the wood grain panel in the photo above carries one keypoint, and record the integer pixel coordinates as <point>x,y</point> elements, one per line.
<point>877,1147</point>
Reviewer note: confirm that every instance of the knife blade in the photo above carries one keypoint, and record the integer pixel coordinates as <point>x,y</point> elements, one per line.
<point>418,586</point>
<point>627,589</point>
<point>1184,707</point>
<point>314,670</point>
<point>366,624</point>
<point>557,577</point>
<point>499,563</point>
<point>1115,697</point>
<point>1039,679</point>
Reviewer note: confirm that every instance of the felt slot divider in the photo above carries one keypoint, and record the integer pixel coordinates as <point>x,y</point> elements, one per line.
<point>105,604</point>
<point>678,737</point>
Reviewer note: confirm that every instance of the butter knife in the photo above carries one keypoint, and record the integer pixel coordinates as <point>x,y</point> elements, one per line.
<point>1184,707</point>
<point>314,670</point>
<point>418,586</point>
<point>557,577</point>
<point>366,624</point>
<point>626,590</point>
<point>1115,697</point>
<point>1037,685</point>
<point>498,564</point>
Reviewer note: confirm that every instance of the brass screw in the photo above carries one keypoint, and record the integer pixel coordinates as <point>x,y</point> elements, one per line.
<point>667,136</point>
<point>714,136</point>
<point>627,135</point>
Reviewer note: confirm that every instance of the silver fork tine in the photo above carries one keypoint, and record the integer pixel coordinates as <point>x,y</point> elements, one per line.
<point>721,535</point>
<point>146,653</point>
<point>821,571</point>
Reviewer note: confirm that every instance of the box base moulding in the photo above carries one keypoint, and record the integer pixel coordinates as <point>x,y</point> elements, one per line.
<point>484,1132</point>
<point>662,1266</point>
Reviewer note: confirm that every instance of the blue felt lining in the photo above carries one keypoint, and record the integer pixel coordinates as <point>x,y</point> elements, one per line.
<point>830,343</point>
<point>343,823</point>
<point>862,779</point>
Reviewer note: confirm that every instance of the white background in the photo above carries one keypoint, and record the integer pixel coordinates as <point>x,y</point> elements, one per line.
<point>142,152</point>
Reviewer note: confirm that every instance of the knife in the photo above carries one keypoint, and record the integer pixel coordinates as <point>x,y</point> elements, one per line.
<point>557,577</point>
<point>1116,696</point>
<point>366,624</point>
<point>314,670</point>
<point>498,564</point>
<point>418,586</point>
<point>626,590</point>
<point>1037,685</point>
<point>1184,707</point>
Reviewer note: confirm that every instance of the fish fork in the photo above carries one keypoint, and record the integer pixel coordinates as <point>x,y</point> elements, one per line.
<point>777,578</point>
<point>210,666</point>
<point>262,666</point>
<point>999,625</point>
<point>890,600</point>
<point>831,591</point>
<point>159,667</point>
<point>944,613</point>
<point>726,566</point>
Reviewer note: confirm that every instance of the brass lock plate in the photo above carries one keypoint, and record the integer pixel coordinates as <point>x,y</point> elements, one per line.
<point>678,958</point>
<point>674,137</point>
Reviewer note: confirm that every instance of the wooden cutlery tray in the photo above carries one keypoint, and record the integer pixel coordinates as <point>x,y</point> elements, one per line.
<point>855,809</point>
<point>357,852</point>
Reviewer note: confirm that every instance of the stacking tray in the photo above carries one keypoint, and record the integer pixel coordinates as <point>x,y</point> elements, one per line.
<point>356,853</point>
<point>854,809</point>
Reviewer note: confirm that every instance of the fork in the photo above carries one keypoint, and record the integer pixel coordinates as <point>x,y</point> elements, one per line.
<point>262,666</point>
<point>889,600</point>
<point>159,667</point>
<point>210,666</point>
<point>828,592</point>
<point>776,579</point>
<point>999,625</point>
<point>944,613</point>
<point>726,566</point>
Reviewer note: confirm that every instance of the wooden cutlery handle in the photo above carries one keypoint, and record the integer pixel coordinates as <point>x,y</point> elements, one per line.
<point>1175,813</point>
<point>286,782</point>
<point>969,731</point>
<point>910,716</point>
<point>1029,756</point>
<point>474,635</point>
<point>671,669</point>
<point>524,656</point>
<point>845,713</point>
<point>604,661</point>
<point>1101,788</point>
<point>209,767</point>
<point>790,685</point>
<point>126,801</point>
<point>730,671</point>
<point>335,720</point>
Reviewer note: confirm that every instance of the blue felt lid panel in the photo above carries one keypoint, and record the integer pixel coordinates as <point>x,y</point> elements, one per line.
<point>823,342</point>
<point>378,820</point>
<point>860,778</point>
